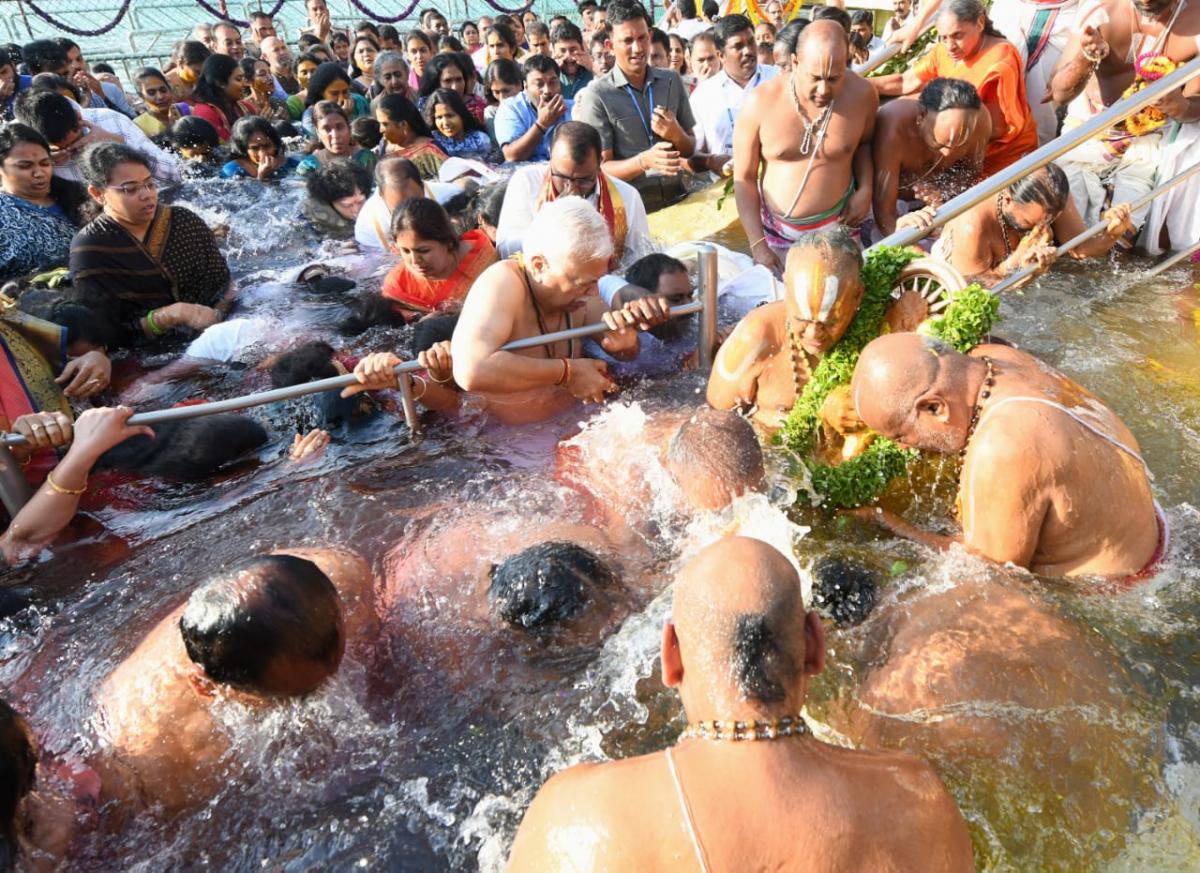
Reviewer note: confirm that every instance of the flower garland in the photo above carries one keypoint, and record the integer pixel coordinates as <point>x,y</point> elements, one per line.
<point>46,16</point>
<point>237,22</point>
<point>861,480</point>
<point>1149,67</point>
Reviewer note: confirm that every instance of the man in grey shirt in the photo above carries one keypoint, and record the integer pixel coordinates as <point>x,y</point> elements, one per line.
<point>642,112</point>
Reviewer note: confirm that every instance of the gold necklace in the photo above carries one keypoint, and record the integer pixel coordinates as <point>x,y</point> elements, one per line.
<point>747,731</point>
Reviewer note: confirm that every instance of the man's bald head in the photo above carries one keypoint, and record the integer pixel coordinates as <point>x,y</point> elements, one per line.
<point>822,37</point>
<point>916,390</point>
<point>819,64</point>
<point>739,629</point>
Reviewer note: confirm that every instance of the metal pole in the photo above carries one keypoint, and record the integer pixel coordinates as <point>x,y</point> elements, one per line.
<point>1074,243</point>
<point>1170,262</point>
<point>235,404</point>
<point>1055,148</point>
<point>408,403</point>
<point>707,292</point>
<point>14,487</point>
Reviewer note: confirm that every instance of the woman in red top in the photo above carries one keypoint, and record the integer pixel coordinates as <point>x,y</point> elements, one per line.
<point>439,267</point>
<point>218,94</point>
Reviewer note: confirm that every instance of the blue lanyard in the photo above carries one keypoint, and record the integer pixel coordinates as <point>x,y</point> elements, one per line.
<point>638,106</point>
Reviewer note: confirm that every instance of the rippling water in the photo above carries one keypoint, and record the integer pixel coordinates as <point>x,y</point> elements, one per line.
<point>429,778</point>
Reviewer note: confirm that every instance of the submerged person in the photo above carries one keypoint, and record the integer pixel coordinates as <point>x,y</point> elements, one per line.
<point>768,359</point>
<point>140,255</point>
<point>929,149</point>
<point>333,130</point>
<point>260,632</point>
<point>1020,228</point>
<point>740,647</point>
<point>406,135</point>
<point>337,192</point>
<point>1031,441</point>
<point>197,143</point>
<point>567,250</point>
<point>257,151</point>
<point>970,48</point>
<point>438,266</point>
<point>396,180</point>
<point>802,147</point>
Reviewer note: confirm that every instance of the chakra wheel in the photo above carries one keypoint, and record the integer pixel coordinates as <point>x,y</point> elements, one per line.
<point>924,290</point>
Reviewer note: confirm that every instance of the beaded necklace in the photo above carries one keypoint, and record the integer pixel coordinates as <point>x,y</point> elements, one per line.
<point>814,130</point>
<point>801,371</point>
<point>984,393</point>
<point>1003,225</point>
<point>747,731</point>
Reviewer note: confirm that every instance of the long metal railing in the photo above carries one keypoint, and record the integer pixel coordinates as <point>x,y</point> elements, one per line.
<point>1177,258</point>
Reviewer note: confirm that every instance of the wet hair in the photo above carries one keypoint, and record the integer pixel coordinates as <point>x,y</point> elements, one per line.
<point>789,34</point>
<point>190,51</point>
<point>48,112</point>
<point>54,83</point>
<point>339,178</point>
<point>247,127</point>
<point>506,33</point>
<point>756,654</point>
<point>728,27</point>
<point>717,443</point>
<point>18,770</point>
<point>832,13</point>
<point>322,77</point>
<point>546,584</point>
<point>581,139</point>
<point>427,219</point>
<point>485,204</point>
<point>942,94</point>
<point>843,590</point>
<point>624,11</point>
<point>504,70</point>
<point>44,56</point>
<point>371,310</point>
<point>540,64</point>
<point>306,363</point>
<point>70,196</point>
<point>191,132</point>
<point>431,330</point>
<point>240,621</point>
<point>399,108</point>
<point>391,171</point>
<point>446,97</point>
<point>286,129</point>
<point>431,79</point>
<point>971,10</point>
<point>97,162</point>
<point>1047,187</point>
<point>373,41</point>
<point>365,133</point>
<point>836,241</point>
<point>84,323</point>
<point>566,32</point>
<point>214,78</point>
<point>647,271</point>
<point>189,450</point>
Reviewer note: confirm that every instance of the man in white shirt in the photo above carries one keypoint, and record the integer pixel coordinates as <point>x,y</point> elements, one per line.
<point>692,23</point>
<point>716,101</point>
<point>396,180</point>
<point>574,168</point>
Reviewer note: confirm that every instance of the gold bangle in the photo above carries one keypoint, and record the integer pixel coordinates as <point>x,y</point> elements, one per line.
<point>434,378</point>
<point>58,489</point>
<point>424,387</point>
<point>761,239</point>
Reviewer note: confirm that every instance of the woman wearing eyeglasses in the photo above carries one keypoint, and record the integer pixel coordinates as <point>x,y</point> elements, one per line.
<point>152,267</point>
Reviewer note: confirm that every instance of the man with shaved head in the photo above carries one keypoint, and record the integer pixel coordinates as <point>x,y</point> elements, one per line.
<point>1051,479</point>
<point>809,133</point>
<point>770,355</point>
<point>747,786</point>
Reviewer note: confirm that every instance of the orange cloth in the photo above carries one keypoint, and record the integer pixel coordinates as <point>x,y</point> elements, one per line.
<point>425,295</point>
<point>999,76</point>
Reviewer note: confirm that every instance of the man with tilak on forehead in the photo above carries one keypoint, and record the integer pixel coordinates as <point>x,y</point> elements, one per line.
<point>769,358</point>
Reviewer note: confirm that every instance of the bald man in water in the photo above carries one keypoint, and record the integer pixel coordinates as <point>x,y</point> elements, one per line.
<point>1051,479</point>
<point>810,135</point>
<point>741,647</point>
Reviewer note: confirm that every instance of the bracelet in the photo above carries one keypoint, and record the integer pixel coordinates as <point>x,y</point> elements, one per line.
<point>538,125</point>
<point>566,373</point>
<point>152,324</point>
<point>761,239</point>
<point>424,386</point>
<point>445,381</point>
<point>58,489</point>
<point>1094,61</point>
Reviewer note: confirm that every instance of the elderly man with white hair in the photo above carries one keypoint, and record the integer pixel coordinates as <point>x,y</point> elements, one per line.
<point>550,287</point>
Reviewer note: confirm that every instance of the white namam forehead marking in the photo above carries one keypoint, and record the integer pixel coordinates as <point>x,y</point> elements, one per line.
<point>832,285</point>
<point>801,287</point>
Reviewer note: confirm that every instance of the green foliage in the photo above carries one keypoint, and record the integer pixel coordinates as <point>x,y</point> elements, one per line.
<point>901,62</point>
<point>726,193</point>
<point>863,479</point>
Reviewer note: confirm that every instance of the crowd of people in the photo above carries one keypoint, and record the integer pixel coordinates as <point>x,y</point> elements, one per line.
<point>504,171</point>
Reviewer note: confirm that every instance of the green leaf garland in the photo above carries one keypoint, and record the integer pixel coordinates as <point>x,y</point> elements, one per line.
<point>863,479</point>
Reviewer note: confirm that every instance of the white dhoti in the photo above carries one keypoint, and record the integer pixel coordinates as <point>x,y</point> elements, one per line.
<point>1179,209</point>
<point>1040,32</point>
<point>1093,170</point>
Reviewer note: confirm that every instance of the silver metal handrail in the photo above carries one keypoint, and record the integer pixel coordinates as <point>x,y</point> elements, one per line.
<point>1098,228</point>
<point>1055,148</point>
<point>1170,262</point>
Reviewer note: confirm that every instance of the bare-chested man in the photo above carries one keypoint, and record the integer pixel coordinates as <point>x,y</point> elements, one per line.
<point>1051,479</point>
<point>769,356</point>
<point>929,149</point>
<point>1097,65</point>
<point>740,647</point>
<point>552,287</point>
<point>810,134</point>
<point>1021,227</point>
<point>273,627</point>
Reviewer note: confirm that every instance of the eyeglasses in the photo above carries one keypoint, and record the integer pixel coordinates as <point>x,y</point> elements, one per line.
<point>579,183</point>
<point>131,188</point>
